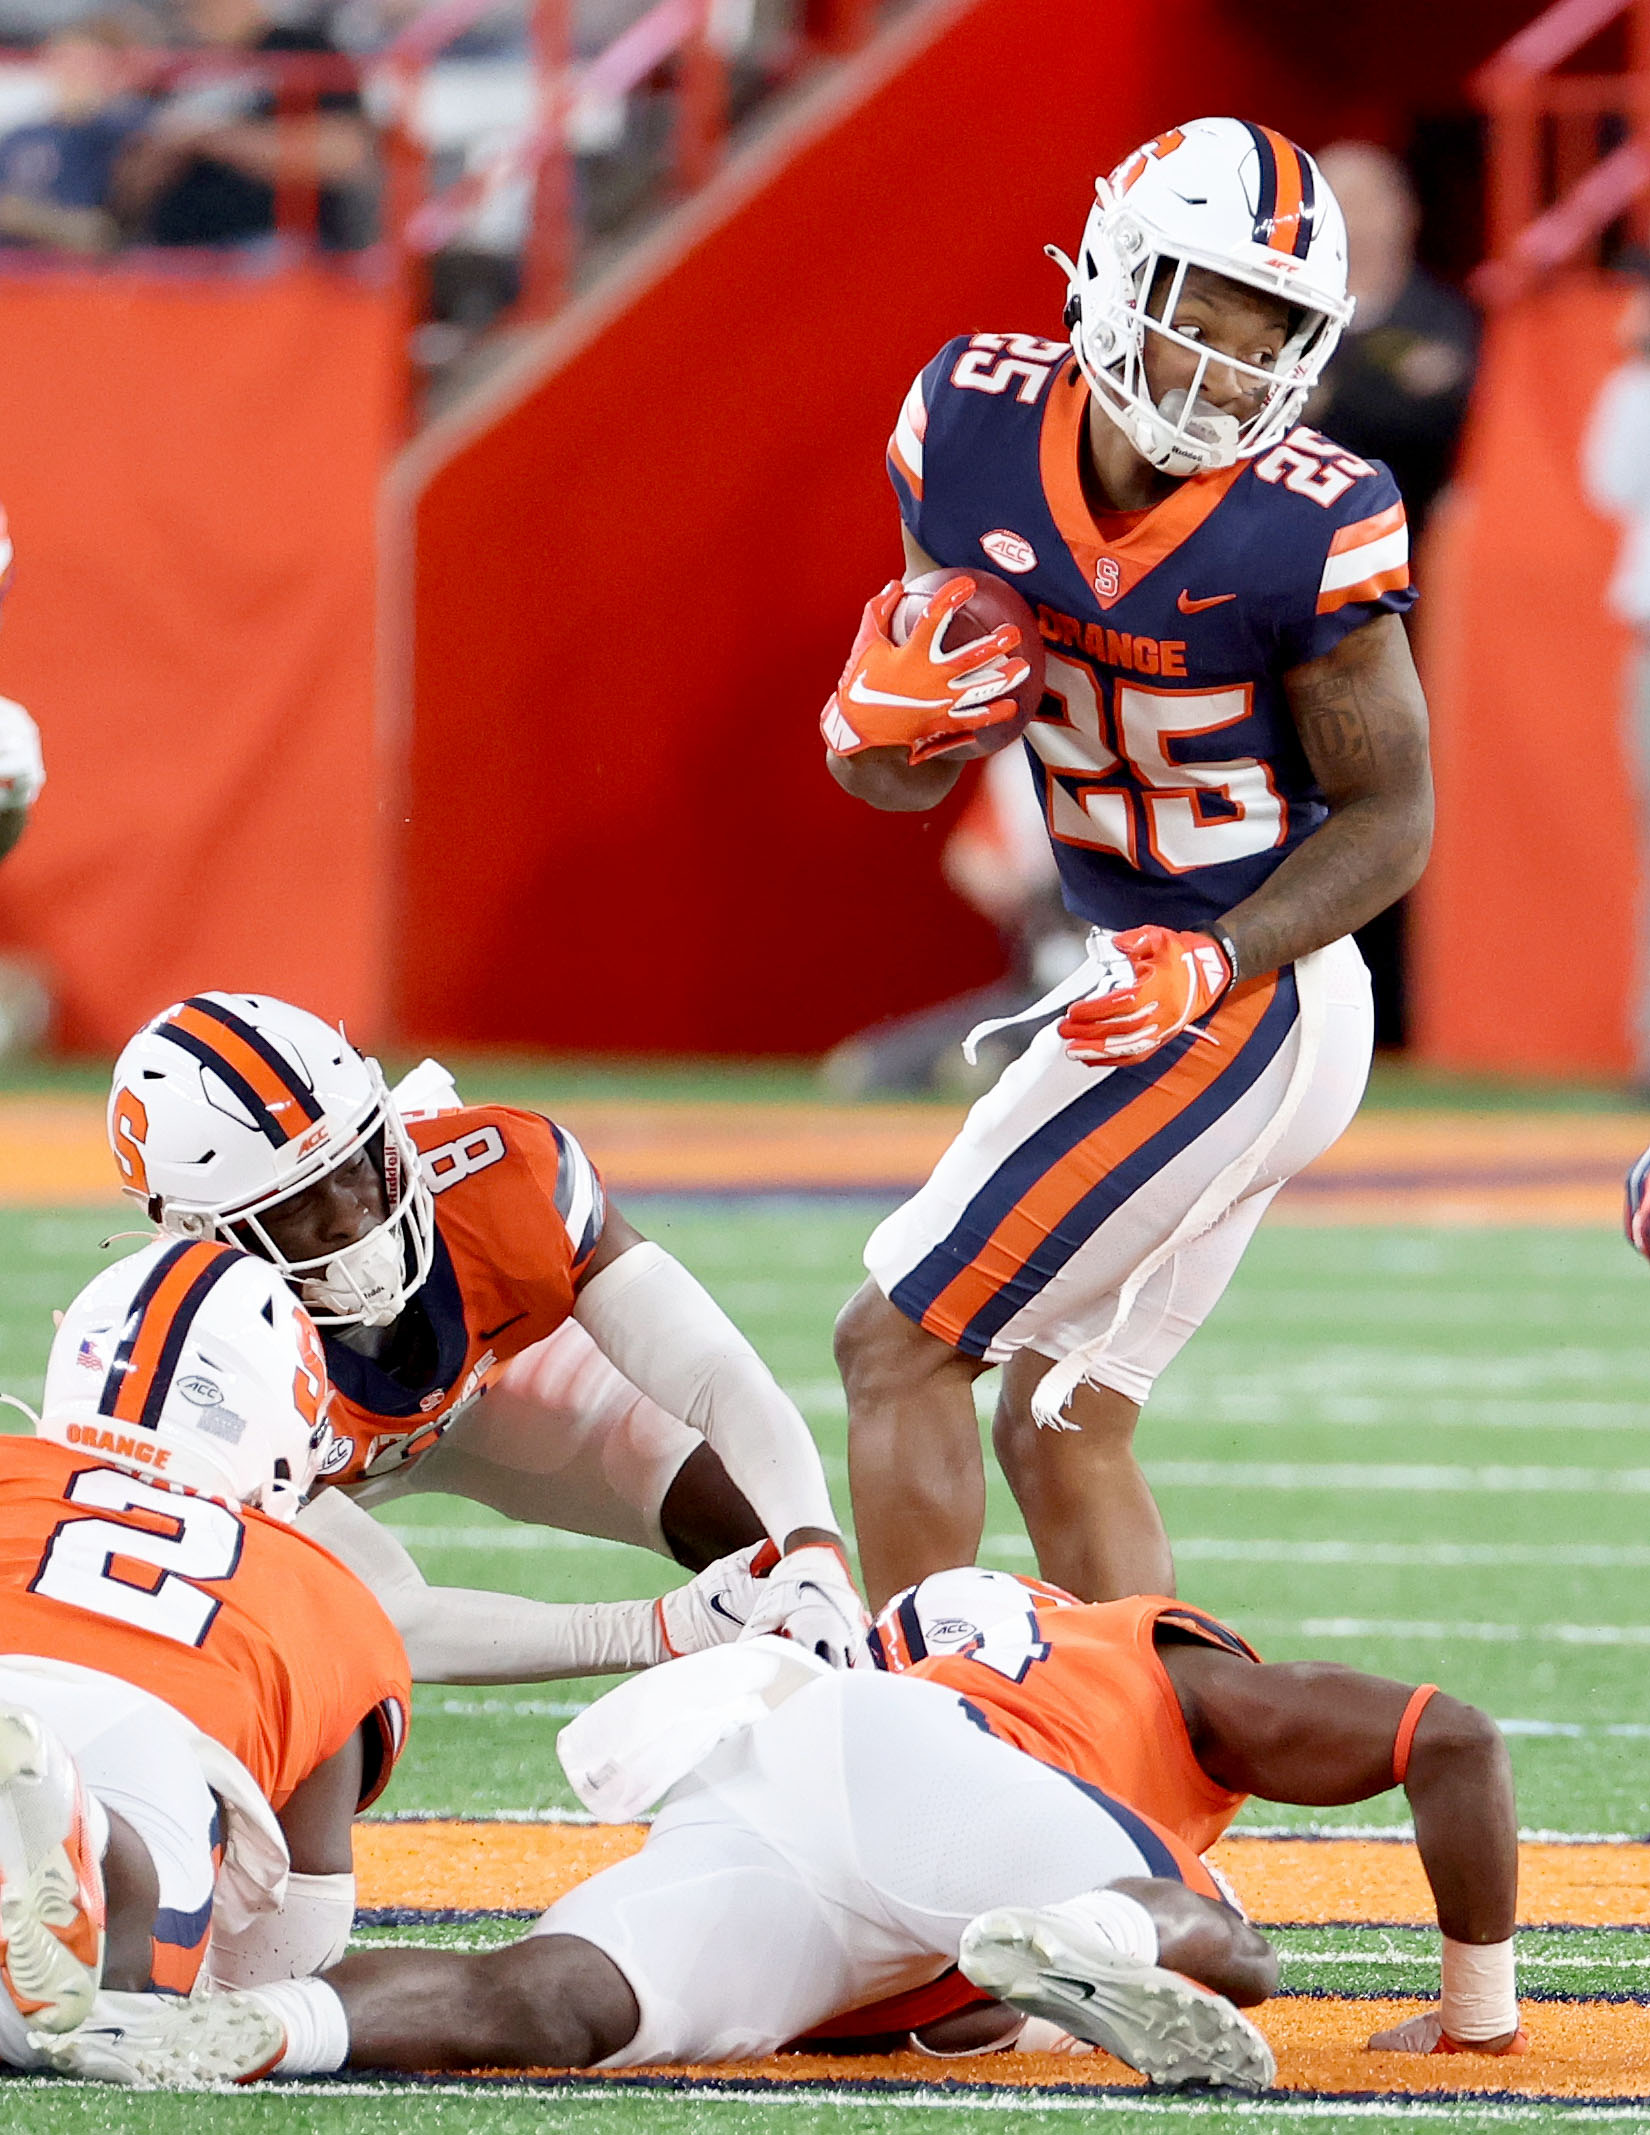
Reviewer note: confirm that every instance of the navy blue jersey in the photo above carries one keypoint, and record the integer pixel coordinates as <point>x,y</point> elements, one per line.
<point>1172,778</point>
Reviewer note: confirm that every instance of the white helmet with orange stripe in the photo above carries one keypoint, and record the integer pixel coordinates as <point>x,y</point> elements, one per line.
<point>230,1105</point>
<point>192,1365</point>
<point>949,1612</point>
<point>1246,204</point>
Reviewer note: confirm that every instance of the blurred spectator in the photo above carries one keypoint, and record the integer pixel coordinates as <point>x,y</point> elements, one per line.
<point>203,173</point>
<point>1616,473</point>
<point>22,771</point>
<point>57,176</point>
<point>1397,390</point>
<point>25,1003</point>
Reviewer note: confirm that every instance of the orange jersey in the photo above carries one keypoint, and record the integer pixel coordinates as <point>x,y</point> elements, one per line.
<point>245,1626</point>
<point>1074,1684</point>
<point>1082,1686</point>
<point>518,1210</point>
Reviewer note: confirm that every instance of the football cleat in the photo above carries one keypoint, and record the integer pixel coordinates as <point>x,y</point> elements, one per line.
<point>1053,1963</point>
<point>52,1909</point>
<point>151,2041</point>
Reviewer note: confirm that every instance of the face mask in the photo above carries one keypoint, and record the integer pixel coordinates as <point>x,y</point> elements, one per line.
<point>1208,426</point>
<point>363,1282</point>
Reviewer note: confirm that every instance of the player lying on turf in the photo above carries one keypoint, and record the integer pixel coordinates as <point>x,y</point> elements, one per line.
<point>1024,1796</point>
<point>179,1660</point>
<point>1232,762</point>
<point>436,1252</point>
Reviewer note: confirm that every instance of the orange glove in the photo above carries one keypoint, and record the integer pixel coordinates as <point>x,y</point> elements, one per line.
<point>1178,978</point>
<point>914,696</point>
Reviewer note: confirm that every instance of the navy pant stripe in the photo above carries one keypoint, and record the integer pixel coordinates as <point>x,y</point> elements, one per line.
<point>1119,1186</point>
<point>1159,1860</point>
<point>1023,1167</point>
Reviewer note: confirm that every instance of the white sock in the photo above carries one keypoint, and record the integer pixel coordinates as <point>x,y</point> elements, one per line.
<point>317,2030</point>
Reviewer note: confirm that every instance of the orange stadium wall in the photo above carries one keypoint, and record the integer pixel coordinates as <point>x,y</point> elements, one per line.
<point>191,471</point>
<point>634,573</point>
<point>1527,922</point>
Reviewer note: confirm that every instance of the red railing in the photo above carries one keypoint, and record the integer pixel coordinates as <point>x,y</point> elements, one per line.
<point>678,35</point>
<point>675,40</point>
<point>1568,153</point>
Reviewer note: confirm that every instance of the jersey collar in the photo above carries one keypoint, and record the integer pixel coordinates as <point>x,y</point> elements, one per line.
<point>1121,563</point>
<point>365,1382</point>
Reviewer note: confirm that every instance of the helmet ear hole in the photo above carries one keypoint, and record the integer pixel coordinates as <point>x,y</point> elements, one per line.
<point>1073,312</point>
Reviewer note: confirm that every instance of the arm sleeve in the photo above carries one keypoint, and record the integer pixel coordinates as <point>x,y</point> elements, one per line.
<point>1359,569</point>
<point>463,1635</point>
<point>669,1337</point>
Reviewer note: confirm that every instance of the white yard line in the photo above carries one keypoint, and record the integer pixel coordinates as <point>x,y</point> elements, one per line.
<point>501,1708</point>
<point>946,2098</point>
<point>1526,1963</point>
<point>1225,1549</point>
<point>1410,1479</point>
<point>1429,1632</point>
<point>511,1537</point>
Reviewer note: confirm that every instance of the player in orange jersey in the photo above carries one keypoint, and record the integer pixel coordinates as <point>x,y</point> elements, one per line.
<point>184,1737</point>
<point>1016,1810</point>
<point>1231,765</point>
<point>195,1698</point>
<point>1171,1711</point>
<point>438,1250</point>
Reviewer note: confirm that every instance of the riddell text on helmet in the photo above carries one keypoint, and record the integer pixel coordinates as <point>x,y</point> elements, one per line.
<point>97,1440</point>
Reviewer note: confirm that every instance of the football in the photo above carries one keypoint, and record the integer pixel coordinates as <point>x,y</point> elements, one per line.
<point>992,602</point>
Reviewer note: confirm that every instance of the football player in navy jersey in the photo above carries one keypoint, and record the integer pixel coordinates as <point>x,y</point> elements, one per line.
<point>1232,762</point>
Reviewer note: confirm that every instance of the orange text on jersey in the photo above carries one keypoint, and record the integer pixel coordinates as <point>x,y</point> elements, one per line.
<point>1113,648</point>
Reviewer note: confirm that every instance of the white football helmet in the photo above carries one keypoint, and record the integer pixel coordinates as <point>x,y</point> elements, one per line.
<point>231,1103</point>
<point>1246,203</point>
<point>192,1365</point>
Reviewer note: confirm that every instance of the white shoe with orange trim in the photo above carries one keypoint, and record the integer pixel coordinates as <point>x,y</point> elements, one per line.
<point>52,1910</point>
<point>1053,1964</point>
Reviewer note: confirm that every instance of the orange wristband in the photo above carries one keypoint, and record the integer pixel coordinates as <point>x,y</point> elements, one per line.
<point>1418,1703</point>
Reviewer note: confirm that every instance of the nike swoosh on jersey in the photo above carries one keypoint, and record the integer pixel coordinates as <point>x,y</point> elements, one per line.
<point>487,1333</point>
<point>1188,606</point>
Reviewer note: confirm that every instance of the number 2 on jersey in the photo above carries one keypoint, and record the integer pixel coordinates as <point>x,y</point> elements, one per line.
<point>143,1576</point>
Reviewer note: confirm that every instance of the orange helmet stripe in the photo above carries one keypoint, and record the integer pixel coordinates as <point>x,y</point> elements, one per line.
<point>1285,195</point>
<point>1289,202</point>
<point>278,1096</point>
<point>152,1341</point>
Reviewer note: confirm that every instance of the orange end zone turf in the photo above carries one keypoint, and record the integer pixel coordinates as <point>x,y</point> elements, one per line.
<point>1577,2049</point>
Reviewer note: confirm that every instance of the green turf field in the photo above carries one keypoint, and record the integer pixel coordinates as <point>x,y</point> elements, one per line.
<point>1427,1453</point>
